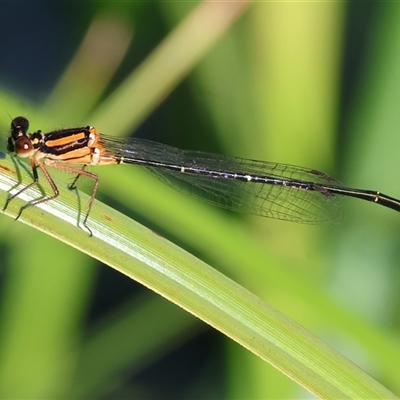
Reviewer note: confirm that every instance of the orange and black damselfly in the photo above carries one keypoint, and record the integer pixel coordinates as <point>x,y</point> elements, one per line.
<point>280,191</point>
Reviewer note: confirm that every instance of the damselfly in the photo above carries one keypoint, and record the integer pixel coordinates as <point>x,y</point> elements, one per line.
<point>280,191</point>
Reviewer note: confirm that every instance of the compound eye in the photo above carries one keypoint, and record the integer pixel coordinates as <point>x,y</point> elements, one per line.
<point>19,125</point>
<point>23,147</point>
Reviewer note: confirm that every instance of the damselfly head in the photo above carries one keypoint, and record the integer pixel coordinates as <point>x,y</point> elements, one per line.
<point>19,142</point>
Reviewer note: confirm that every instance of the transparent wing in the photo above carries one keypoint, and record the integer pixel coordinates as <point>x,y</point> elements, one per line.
<point>279,202</point>
<point>194,173</point>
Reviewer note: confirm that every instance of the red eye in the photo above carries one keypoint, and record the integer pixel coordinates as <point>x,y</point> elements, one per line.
<point>23,147</point>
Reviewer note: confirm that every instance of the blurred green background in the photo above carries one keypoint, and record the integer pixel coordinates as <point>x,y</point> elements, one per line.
<point>313,84</point>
